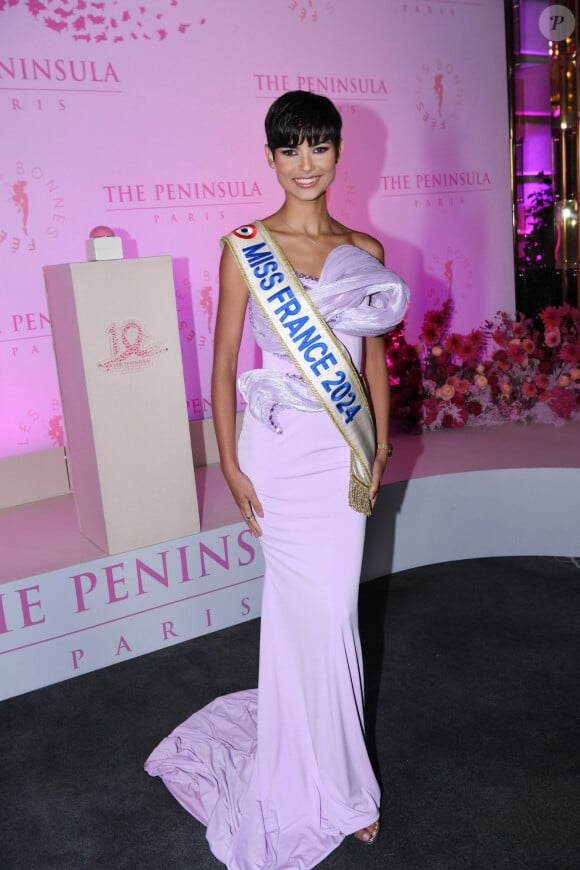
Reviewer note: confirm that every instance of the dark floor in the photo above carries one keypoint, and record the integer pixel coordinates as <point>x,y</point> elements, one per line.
<point>473,700</point>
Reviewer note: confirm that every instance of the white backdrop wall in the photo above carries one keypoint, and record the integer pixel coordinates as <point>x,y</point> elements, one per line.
<point>148,117</point>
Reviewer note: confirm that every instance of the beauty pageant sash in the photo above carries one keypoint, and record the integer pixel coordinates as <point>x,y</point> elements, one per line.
<point>319,356</point>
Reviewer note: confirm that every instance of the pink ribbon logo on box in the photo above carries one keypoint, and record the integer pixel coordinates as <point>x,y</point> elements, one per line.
<point>130,347</point>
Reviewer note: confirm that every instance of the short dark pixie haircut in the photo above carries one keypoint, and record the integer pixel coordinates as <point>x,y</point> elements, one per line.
<point>300,115</point>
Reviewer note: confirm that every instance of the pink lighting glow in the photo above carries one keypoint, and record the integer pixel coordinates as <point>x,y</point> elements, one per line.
<point>149,119</point>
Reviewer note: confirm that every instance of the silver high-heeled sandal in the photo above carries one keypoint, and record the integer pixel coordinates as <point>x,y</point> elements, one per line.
<point>373,831</point>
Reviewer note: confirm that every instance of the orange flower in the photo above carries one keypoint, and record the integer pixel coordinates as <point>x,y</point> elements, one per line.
<point>529,389</point>
<point>564,381</point>
<point>542,381</point>
<point>446,392</point>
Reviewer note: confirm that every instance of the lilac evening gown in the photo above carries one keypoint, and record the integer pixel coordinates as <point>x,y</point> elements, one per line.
<point>280,774</point>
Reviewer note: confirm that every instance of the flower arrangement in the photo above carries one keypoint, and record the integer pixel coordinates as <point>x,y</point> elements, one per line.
<point>512,369</point>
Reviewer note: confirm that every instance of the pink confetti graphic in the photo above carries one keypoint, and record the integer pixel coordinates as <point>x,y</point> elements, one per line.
<point>106,21</point>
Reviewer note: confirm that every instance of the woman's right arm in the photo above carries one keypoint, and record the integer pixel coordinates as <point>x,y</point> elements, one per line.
<point>233,300</point>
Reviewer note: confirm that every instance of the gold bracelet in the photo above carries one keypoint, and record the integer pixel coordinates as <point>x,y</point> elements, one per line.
<point>382,445</point>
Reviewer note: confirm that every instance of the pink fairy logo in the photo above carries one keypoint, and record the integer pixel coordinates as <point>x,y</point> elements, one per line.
<point>308,10</point>
<point>206,302</point>
<point>55,430</point>
<point>130,347</point>
<point>453,270</point>
<point>439,94</point>
<point>108,20</point>
<point>20,200</point>
<point>31,208</point>
<point>48,418</point>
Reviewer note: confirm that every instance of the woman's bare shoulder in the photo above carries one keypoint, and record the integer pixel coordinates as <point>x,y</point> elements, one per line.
<point>364,241</point>
<point>369,244</point>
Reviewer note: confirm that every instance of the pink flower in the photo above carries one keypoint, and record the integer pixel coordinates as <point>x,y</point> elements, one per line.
<point>562,402</point>
<point>564,381</point>
<point>542,381</point>
<point>566,310</point>
<point>519,330</point>
<point>431,334</point>
<point>502,360</point>
<point>453,343</point>
<point>528,345</point>
<point>552,337</point>
<point>575,374</point>
<point>529,389</point>
<point>506,388</point>
<point>480,381</point>
<point>551,317</point>
<point>470,346</point>
<point>430,410</point>
<point>517,353</point>
<point>436,350</point>
<point>435,318</point>
<point>500,338</point>
<point>477,338</point>
<point>569,352</point>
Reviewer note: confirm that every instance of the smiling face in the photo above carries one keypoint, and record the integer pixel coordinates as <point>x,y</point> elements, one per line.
<point>305,171</point>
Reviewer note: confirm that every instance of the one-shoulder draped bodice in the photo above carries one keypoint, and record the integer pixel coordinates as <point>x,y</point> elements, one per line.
<point>356,296</point>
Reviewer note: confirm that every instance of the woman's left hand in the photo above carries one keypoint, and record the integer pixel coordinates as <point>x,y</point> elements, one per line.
<point>378,471</point>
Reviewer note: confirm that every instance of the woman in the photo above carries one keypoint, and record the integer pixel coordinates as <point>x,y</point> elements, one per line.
<point>281,780</point>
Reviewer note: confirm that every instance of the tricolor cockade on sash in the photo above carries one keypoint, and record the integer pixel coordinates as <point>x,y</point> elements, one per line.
<point>320,358</point>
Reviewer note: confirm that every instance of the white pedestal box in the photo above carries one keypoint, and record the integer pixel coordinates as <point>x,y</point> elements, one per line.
<point>104,248</point>
<point>114,326</point>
